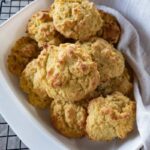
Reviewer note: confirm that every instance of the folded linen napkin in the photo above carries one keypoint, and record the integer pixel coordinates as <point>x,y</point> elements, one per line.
<point>137,55</point>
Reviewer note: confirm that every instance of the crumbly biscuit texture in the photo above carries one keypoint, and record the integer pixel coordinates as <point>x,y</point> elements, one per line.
<point>32,83</point>
<point>24,50</point>
<point>121,84</point>
<point>47,34</point>
<point>76,19</point>
<point>110,117</point>
<point>40,27</point>
<point>68,118</point>
<point>36,20</point>
<point>27,77</point>
<point>111,30</point>
<point>71,73</point>
<point>110,61</point>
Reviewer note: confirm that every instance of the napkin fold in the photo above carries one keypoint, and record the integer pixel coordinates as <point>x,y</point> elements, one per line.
<point>136,54</point>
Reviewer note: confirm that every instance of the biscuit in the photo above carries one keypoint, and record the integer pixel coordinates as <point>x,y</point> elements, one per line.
<point>70,72</point>
<point>38,101</point>
<point>40,27</point>
<point>47,34</point>
<point>36,20</point>
<point>68,118</point>
<point>121,84</point>
<point>110,117</point>
<point>110,61</point>
<point>111,30</point>
<point>32,83</point>
<point>24,50</point>
<point>76,19</point>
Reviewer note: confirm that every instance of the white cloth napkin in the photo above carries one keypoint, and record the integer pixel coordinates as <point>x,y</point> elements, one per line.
<point>135,45</point>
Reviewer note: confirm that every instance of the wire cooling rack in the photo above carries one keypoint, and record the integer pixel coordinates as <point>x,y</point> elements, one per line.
<point>10,7</point>
<point>8,139</point>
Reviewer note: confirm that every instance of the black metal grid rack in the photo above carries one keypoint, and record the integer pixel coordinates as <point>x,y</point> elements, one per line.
<point>10,7</point>
<point>8,139</point>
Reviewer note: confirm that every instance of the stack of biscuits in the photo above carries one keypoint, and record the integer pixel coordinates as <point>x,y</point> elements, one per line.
<point>68,63</point>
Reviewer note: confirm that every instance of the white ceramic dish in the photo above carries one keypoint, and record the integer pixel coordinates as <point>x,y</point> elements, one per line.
<point>32,126</point>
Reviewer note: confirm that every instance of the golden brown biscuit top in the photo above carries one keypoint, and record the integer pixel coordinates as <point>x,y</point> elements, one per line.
<point>41,17</point>
<point>71,73</point>
<point>41,28</point>
<point>77,62</point>
<point>116,101</point>
<point>78,20</point>
<point>36,20</point>
<point>27,77</point>
<point>68,118</point>
<point>110,61</point>
<point>31,80</point>
<point>47,34</point>
<point>110,117</point>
